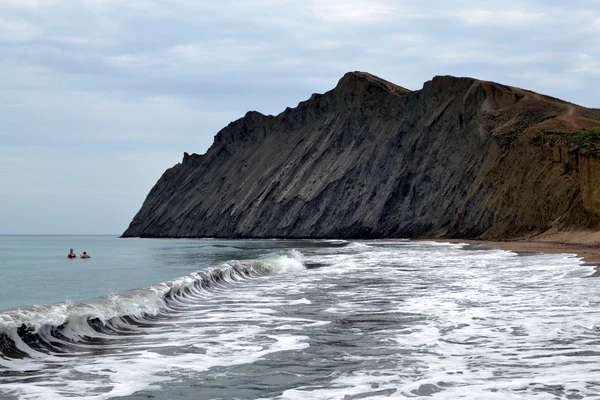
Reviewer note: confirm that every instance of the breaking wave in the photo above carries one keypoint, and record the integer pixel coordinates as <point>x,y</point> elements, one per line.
<point>73,329</point>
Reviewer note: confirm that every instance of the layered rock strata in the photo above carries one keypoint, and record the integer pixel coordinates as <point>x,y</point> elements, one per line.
<point>459,158</point>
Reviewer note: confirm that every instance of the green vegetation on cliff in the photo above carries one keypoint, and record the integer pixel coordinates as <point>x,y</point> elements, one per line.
<point>595,117</point>
<point>586,140</point>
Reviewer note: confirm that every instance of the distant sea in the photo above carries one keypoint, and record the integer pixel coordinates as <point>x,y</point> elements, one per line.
<point>293,319</point>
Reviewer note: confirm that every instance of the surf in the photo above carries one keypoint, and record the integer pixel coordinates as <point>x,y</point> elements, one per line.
<point>77,328</point>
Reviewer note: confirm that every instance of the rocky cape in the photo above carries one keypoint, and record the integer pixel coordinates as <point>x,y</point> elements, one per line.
<point>460,158</point>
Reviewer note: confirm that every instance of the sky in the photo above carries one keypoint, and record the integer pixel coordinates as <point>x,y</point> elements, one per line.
<point>99,97</point>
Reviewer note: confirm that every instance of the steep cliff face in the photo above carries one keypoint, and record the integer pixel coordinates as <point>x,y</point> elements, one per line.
<point>369,159</point>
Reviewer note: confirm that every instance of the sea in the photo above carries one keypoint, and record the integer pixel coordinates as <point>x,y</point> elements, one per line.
<point>293,319</point>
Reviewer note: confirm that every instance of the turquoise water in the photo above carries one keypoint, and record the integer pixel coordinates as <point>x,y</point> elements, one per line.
<point>35,269</point>
<point>291,320</point>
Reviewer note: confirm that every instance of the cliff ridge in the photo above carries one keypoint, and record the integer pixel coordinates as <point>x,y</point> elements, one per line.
<point>460,158</point>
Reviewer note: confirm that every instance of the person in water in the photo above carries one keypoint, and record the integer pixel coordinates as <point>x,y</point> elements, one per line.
<point>85,255</point>
<point>71,254</point>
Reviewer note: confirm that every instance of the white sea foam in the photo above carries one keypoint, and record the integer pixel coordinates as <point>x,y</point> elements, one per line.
<point>394,320</point>
<point>480,307</point>
<point>300,301</point>
<point>291,262</point>
<point>358,246</point>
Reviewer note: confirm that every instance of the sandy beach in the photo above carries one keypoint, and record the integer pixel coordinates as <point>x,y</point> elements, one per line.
<point>586,244</point>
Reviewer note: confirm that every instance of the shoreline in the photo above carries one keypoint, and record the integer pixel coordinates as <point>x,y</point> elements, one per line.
<point>584,244</point>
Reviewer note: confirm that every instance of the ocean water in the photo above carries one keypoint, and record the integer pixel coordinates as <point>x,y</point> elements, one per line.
<point>276,319</point>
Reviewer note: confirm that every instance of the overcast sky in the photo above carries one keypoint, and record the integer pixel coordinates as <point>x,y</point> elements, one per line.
<point>99,97</point>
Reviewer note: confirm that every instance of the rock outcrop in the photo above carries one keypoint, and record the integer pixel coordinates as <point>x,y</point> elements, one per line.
<point>369,159</point>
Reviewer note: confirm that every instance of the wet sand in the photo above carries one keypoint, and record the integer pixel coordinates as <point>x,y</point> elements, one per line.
<point>585,244</point>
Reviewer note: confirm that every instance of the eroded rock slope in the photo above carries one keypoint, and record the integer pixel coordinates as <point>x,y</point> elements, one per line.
<point>369,159</point>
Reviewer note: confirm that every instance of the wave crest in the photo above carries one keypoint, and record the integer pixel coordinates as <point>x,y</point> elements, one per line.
<point>65,327</point>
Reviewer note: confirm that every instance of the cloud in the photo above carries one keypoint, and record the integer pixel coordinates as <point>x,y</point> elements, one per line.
<point>586,65</point>
<point>349,11</point>
<point>97,121</point>
<point>144,77</point>
<point>17,31</point>
<point>32,4</point>
<point>76,192</point>
<point>503,18</point>
<point>542,80</point>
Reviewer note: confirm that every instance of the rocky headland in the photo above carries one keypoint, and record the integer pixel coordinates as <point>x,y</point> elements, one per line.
<point>460,158</point>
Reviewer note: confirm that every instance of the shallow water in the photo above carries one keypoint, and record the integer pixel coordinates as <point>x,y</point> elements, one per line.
<point>298,320</point>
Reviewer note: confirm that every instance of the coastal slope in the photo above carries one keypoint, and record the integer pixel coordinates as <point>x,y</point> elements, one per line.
<point>460,158</point>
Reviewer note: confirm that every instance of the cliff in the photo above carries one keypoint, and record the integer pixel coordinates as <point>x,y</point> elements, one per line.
<point>459,158</point>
